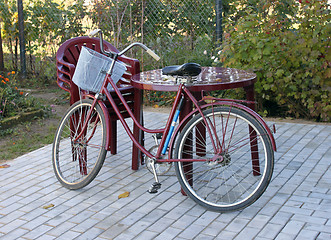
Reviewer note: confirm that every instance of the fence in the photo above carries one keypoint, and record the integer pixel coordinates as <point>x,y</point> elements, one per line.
<point>178,30</point>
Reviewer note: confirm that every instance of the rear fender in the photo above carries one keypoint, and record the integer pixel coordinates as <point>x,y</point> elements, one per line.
<point>230,103</point>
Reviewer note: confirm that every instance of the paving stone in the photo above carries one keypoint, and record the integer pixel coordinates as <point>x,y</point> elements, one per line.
<point>68,235</point>
<point>285,236</point>
<point>270,231</point>
<point>37,232</point>
<point>184,221</point>
<point>114,230</point>
<point>61,229</point>
<point>16,233</point>
<point>161,225</point>
<point>292,227</point>
<point>146,235</point>
<point>295,206</point>
<point>90,233</point>
<point>247,233</point>
<point>36,222</point>
<point>12,226</point>
<point>191,231</point>
<point>204,237</point>
<point>237,225</point>
<point>307,234</point>
<point>323,236</point>
<point>169,233</point>
<point>226,235</point>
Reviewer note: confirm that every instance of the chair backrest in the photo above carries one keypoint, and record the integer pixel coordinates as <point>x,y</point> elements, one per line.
<point>67,57</point>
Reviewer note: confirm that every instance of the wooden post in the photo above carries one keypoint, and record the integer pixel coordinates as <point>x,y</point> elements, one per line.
<point>21,36</point>
<point>219,19</point>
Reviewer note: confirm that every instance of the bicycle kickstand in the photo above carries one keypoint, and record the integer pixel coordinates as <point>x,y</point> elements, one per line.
<point>156,185</point>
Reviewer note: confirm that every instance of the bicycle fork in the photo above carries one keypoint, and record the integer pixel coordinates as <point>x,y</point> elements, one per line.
<point>157,185</point>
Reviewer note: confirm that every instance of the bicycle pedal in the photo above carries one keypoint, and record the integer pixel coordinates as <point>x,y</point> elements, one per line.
<point>155,186</point>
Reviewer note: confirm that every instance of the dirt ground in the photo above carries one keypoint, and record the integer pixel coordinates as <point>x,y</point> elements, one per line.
<point>37,127</point>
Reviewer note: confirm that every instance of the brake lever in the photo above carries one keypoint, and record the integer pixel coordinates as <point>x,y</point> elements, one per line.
<point>96,31</point>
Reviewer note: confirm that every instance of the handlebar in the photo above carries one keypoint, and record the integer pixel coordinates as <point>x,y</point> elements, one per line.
<point>111,54</point>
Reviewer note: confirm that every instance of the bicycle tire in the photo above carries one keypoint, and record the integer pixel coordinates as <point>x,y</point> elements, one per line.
<point>230,179</point>
<point>77,163</point>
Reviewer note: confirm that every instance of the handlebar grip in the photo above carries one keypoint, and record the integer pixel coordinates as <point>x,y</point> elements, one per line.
<point>95,31</point>
<point>153,54</point>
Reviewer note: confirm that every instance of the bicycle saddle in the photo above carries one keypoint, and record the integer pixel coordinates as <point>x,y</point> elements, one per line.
<point>187,69</point>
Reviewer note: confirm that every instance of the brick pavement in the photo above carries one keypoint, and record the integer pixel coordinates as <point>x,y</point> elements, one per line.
<point>296,205</point>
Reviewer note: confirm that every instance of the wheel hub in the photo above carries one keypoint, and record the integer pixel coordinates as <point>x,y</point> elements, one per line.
<point>222,159</point>
<point>80,145</point>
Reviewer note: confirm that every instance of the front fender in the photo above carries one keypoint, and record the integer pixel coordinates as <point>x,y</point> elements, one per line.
<point>229,103</point>
<point>108,127</point>
<point>107,118</point>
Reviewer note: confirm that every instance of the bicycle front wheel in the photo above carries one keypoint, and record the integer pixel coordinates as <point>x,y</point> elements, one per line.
<point>238,159</point>
<point>78,152</point>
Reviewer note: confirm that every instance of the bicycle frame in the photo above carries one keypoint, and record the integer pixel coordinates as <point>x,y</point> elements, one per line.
<point>165,131</point>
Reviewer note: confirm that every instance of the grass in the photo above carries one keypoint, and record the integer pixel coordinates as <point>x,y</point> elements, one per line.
<point>24,139</point>
<point>37,132</point>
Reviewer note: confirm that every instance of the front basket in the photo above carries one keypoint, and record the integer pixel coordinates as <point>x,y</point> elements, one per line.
<point>92,68</point>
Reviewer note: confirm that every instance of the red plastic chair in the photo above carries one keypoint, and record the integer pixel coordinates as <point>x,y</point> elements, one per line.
<point>66,61</point>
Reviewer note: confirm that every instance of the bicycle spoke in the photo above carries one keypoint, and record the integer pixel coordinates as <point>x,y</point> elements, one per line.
<point>234,175</point>
<point>76,161</point>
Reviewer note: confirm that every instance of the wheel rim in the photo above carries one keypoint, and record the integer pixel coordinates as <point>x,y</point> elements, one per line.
<point>227,180</point>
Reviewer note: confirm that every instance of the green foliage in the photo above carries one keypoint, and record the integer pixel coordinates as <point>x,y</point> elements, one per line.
<point>13,100</point>
<point>156,98</point>
<point>47,23</point>
<point>176,50</point>
<point>291,57</point>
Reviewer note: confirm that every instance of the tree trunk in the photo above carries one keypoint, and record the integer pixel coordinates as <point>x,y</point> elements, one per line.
<point>2,66</point>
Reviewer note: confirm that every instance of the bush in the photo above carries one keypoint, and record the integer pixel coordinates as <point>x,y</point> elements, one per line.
<point>13,100</point>
<point>291,57</point>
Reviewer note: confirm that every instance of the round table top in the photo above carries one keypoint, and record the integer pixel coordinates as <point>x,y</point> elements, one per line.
<point>210,78</point>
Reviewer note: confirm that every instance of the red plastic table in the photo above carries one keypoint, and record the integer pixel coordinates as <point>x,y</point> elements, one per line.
<point>210,79</point>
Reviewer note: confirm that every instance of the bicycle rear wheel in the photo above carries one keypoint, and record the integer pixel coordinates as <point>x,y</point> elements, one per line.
<point>78,159</point>
<point>239,159</point>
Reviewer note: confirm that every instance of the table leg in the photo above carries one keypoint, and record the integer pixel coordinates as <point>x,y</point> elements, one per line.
<point>252,134</point>
<point>187,108</point>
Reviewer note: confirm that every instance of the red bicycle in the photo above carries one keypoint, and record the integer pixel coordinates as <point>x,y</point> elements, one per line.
<point>222,151</point>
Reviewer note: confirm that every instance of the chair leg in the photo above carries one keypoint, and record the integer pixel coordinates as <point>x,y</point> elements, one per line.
<point>136,153</point>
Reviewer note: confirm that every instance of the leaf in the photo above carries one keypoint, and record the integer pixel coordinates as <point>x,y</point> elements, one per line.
<point>279,72</point>
<point>48,206</point>
<point>4,166</point>
<point>124,195</point>
<point>267,51</point>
